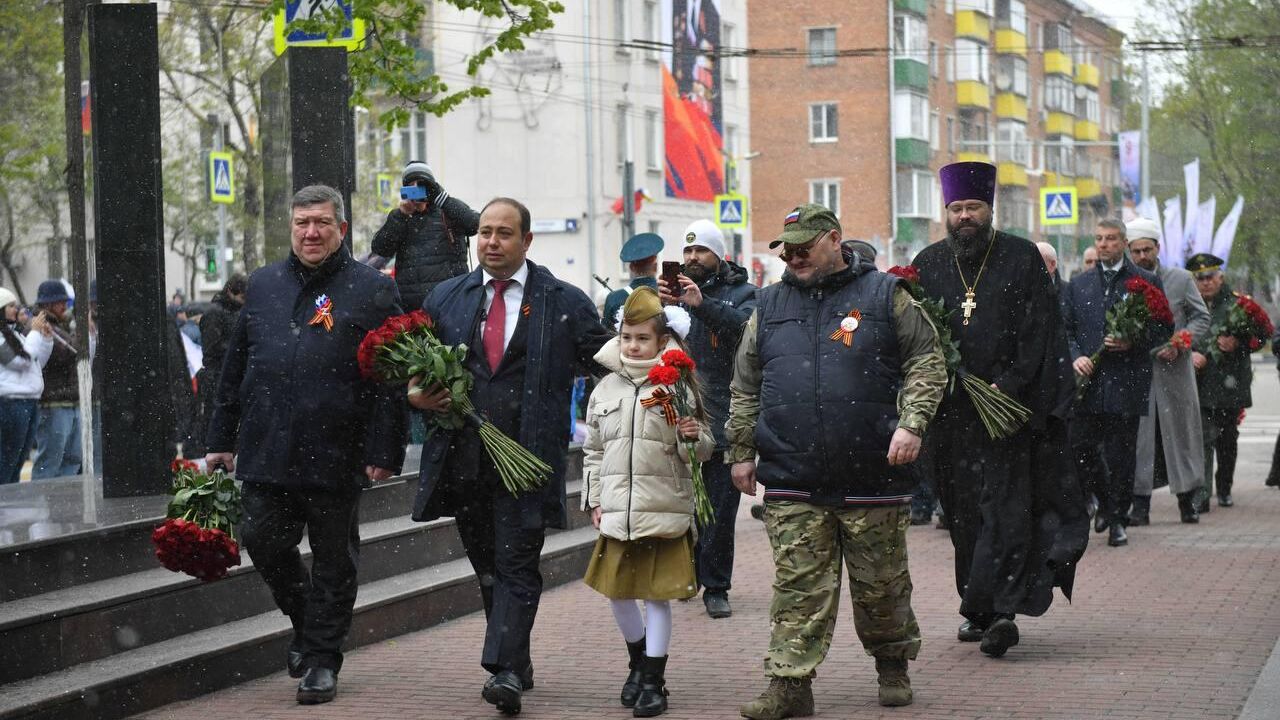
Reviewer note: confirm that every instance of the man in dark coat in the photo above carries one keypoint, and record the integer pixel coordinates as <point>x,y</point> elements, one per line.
<point>719,300</point>
<point>427,237</point>
<point>1104,429</point>
<point>1017,517</point>
<point>312,432</point>
<point>529,335</point>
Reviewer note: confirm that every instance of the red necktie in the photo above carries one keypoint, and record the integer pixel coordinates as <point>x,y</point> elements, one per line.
<point>495,325</point>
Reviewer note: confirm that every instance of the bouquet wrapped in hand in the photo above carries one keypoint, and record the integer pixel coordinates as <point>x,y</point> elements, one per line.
<point>675,371</point>
<point>1128,321</point>
<point>198,537</point>
<point>406,347</point>
<point>1246,321</point>
<point>1001,415</point>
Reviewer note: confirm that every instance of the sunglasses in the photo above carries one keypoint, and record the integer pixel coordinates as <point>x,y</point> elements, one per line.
<point>801,252</point>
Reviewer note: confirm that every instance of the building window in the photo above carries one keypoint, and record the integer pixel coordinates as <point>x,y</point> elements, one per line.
<point>933,59</point>
<point>910,37</point>
<point>652,26</point>
<point>1011,141</point>
<point>1087,106</point>
<point>1011,74</point>
<point>915,193</point>
<point>1013,209</point>
<point>1060,155</point>
<point>729,41</point>
<point>1057,37</point>
<point>949,6</point>
<point>822,122</point>
<point>974,135</point>
<point>1012,14</point>
<point>950,59</point>
<point>971,61</point>
<point>1059,94</point>
<point>826,193</point>
<point>623,134</point>
<point>982,6</point>
<point>951,133</point>
<point>652,141</point>
<point>911,115</point>
<point>934,124</point>
<point>822,46</point>
<point>413,137</point>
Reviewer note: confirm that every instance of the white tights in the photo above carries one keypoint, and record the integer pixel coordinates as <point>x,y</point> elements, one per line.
<point>632,623</point>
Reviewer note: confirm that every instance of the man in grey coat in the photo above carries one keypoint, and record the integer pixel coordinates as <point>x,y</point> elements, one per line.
<point>1172,423</point>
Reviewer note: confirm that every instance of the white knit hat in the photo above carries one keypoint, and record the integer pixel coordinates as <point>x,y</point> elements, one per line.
<point>6,297</point>
<point>706,234</point>
<point>1142,228</point>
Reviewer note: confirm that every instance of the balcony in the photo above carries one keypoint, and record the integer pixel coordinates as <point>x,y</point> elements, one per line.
<point>1087,187</point>
<point>913,152</point>
<point>973,94</point>
<point>973,24</point>
<point>1087,74</point>
<point>969,156</point>
<point>910,73</point>
<point>1011,106</point>
<point>1060,123</point>
<point>1011,173</point>
<point>1011,42</point>
<point>919,7</point>
<point>1086,130</point>
<point>1057,62</point>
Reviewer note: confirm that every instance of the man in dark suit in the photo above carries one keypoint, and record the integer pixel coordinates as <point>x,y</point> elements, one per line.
<point>1105,423</point>
<point>529,335</point>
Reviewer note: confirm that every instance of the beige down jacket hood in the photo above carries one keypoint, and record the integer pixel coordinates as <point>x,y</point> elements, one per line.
<point>634,468</point>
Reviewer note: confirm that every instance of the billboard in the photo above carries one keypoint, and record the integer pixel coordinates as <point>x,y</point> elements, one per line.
<point>1131,165</point>
<point>691,102</point>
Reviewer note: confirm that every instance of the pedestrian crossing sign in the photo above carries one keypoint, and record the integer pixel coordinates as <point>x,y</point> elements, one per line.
<point>222,178</point>
<point>388,191</point>
<point>351,37</point>
<point>1058,206</point>
<point>731,210</point>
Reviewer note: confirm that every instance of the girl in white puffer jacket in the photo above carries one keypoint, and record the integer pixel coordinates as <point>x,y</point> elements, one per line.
<point>638,486</point>
<point>21,382</point>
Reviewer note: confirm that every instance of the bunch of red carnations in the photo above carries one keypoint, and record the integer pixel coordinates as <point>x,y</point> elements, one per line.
<point>1246,321</point>
<point>676,372</point>
<point>198,538</point>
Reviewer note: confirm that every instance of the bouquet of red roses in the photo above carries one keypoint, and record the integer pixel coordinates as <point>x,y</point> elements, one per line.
<point>1246,321</point>
<point>406,346</point>
<point>198,538</point>
<point>1127,320</point>
<point>1000,414</point>
<point>676,371</point>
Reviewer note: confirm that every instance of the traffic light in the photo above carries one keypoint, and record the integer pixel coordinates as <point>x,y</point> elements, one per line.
<point>211,261</point>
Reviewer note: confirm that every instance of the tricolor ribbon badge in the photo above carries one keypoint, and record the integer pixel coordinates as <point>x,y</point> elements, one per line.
<point>324,313</point>
<point>665,400</point>
<point>848,325</point>
<point>526,309</point>
<point>794,217</point>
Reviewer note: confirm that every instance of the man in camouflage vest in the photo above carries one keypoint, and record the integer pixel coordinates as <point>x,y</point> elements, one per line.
<point>836,376</point>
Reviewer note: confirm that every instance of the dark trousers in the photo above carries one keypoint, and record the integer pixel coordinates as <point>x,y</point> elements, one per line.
<point>318,602</point>
<point>1105,447</point>
<point>714,552</point>
<point>505,558</point>
<point>1221,437</point>
<point>17,433</point>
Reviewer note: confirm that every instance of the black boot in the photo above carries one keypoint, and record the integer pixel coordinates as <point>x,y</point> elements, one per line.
<point>631,688</point>
<point>1187,507</point>
<point>653,687</point>
<point>1141,512</point>
<point>294,657</point>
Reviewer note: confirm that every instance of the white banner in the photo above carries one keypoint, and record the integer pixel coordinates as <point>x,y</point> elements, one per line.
<point>1226,235</point>
<point>1171,250</point>
<point>1204,226</point>
<point>1148,209</point>
<point>1191,171</point>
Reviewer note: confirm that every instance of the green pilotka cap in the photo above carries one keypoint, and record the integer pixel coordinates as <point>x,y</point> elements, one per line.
<point>805,223</point>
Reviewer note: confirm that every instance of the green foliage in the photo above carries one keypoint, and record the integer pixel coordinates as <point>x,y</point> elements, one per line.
<point>387,65</point>
<point>209,500</point>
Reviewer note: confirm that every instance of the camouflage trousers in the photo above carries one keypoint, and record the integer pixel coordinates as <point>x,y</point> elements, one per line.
<point>809,544</point>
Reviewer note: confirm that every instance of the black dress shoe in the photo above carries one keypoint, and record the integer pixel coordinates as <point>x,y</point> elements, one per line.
<point>294,663</point>
<point>503,691</point>
<point>970,632</point>
<point>1002,635</point>
<point>1100,523</point>
<point>1225,500</point>
<point>1117,537</point>
<point>526,678</point>
<point>319,685</point>
<point>1202,505</point>
<point>717,605</point>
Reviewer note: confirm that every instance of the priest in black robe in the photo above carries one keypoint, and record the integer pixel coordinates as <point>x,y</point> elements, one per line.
<point>1017,514</point>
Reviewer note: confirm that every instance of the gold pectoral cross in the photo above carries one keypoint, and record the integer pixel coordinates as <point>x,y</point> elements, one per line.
<point>968,306</point>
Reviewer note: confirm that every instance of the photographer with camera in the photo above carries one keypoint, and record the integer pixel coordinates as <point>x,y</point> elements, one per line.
<point>427,234</point>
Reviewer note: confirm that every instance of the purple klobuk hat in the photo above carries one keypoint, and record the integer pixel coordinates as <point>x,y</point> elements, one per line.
<point>968,181</point>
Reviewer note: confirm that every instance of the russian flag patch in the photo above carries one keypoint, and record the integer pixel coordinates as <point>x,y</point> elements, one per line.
<point>792,218</point>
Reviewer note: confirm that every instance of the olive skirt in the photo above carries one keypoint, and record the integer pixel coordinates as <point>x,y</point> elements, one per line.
<point>643,569</point>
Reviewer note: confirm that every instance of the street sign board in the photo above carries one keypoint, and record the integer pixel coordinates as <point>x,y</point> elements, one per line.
<point>555,225</point>
<point>222,178</point>
<point>388,191</point>
<point>351,37</point>
<point>731,210</point>
<point>1058,205</point>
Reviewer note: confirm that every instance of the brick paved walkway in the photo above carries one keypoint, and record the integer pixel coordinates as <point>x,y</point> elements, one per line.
<point>1177,625</point>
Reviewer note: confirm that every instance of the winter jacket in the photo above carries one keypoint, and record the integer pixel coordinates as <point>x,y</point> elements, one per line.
<point>635,468</point>
<point>23,378</point>
<point>61,387</point>
<point>1226,382</point>
<point>291,400</point>
<point>727,303</point>
<point>429,247</point>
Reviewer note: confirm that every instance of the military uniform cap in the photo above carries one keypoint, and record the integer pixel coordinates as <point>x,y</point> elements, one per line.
<point>805,223</point>
<point>1204,263</point>
<point>639,247</point>
<point>641,305</point>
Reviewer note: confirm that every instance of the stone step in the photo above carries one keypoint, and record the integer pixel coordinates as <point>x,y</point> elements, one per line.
<point>200,662</point>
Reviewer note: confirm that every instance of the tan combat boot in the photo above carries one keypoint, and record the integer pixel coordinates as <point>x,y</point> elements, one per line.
<point>784,698</point>
<point>895,686</point>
